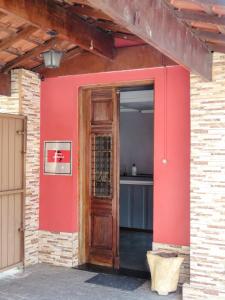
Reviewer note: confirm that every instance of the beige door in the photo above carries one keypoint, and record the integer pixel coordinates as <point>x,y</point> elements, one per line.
<point>11,189</point>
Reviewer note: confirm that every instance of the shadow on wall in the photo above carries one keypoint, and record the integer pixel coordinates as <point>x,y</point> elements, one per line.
<point>136,142</point>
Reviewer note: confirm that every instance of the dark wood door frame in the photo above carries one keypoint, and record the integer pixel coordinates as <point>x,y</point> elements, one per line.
<point>83,178</point>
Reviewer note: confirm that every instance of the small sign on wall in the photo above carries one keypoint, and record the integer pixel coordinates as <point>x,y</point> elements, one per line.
<point>57,158</point>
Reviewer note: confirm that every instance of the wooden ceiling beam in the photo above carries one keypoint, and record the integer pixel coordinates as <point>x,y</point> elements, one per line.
<point>5,85</point>
<point>15,37</point>
<point>85,2</point>
<point>7,29</point>
<point>208,2</point>
<point>157,25</point>
<point>47,15</point>
<point>128,58</point>
<point>110,26</point>
<point>89,12</point>
<point>216,47</point>
<point>72,53</point>
<point>200,17</point>
<point>210,36</point>
<point>206,8</point>
<point>128,37</point>
<point>34,52</point>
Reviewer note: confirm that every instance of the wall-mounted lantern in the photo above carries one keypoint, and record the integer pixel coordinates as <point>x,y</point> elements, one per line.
<point>52,58</point>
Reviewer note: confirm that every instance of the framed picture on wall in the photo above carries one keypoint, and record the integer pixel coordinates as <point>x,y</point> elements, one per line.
<point>58,158</point>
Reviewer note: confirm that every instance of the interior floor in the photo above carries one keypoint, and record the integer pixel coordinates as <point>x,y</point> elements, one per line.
<point>133,248</point>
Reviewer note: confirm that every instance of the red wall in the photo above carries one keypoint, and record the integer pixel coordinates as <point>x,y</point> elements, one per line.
<point>59,121</point>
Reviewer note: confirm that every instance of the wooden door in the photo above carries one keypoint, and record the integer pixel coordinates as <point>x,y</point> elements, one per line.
<point>11,190</point>
<point>103,174</point>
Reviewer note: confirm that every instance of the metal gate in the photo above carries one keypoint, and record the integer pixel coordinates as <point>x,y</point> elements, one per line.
<point>12,143</point>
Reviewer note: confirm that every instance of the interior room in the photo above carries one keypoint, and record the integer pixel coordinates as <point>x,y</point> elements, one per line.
<point>136,176</point>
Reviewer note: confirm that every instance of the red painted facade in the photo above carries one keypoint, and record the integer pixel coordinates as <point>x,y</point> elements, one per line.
<point>59,121</point>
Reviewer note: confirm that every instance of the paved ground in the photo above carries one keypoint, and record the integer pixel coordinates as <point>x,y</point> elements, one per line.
<point>43,282</point>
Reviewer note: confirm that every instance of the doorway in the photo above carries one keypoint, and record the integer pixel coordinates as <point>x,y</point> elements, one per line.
<point>100,176</point>
<point>12,135</point>
<point>136,176</point>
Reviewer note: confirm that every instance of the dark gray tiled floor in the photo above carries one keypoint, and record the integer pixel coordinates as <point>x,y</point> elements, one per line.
<point>133,248</point>
<point>43,282</point>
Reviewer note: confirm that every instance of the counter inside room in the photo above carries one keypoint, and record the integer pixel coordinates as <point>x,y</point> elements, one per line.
<point>136,176</point>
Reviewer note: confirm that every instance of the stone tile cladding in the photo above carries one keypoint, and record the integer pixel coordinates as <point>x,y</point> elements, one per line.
<point>59,249</point>
<point>25,100</point>
<point>30,107</point>
<point>207,251</point>
<point>183,251</point>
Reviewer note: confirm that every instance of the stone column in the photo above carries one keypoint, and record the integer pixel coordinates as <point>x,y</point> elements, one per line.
<point>30,107</point>
<point>207,251</point>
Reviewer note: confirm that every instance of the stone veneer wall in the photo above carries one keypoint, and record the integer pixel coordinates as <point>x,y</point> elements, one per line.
<point>207,251</point>
<point>183,251</point>
<point>60,249</point>
<point>30,107</point>
<point>25,100</point>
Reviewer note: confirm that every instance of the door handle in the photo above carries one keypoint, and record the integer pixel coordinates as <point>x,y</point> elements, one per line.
<point>21,229</point>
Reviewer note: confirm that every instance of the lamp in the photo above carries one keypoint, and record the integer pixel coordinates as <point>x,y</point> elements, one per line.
<point>52,58</point>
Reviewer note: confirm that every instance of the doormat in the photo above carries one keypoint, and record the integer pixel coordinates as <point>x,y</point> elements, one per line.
<point>123,283</point>
<point>107,270</point>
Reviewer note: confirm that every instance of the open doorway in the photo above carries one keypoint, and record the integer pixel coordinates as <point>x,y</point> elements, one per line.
<point>111,234</point>
<point>136,176</point>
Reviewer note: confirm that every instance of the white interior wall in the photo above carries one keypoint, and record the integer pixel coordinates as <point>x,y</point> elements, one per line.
<point>136,141</point>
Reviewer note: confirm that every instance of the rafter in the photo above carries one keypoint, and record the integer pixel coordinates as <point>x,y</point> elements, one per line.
<point>210,36</point>
<point>89,12</point>
<point>203,4</point>
<point>128,58</point>
<point>217,47</point>
<point>34,52</point>
<point>85,2</point>
<point>48,15</point>
<point>200,17</point>
<point>111,26</point>
<point>209,2</point>
<point>6,28</point>
<point>15,37</point>
<point>72,53</point>
<point>128,37</point>
<point>154,23</point>
<point>5,85</point>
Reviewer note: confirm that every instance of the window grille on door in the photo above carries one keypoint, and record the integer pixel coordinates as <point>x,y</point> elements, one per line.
<point>102,166</point>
